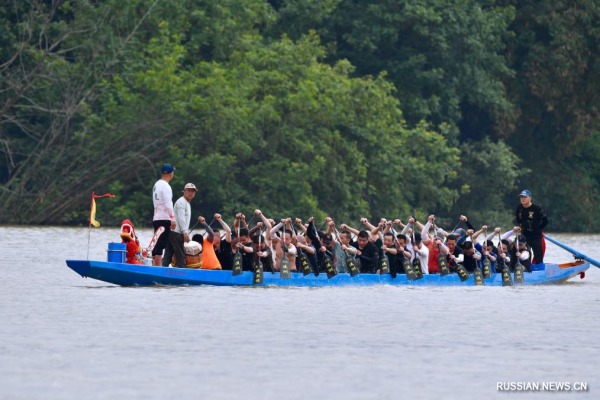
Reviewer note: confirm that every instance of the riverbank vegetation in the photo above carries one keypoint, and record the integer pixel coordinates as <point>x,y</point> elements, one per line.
<point>348,108</point>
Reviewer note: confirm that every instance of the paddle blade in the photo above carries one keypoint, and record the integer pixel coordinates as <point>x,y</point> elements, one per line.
<point>462,272</point>
<point>409,268</point>
<point>506,278</point>
<point>478,277</point>
<point>305,265</point>
<point>258,277</point>
<point>443,263</point>
<point>327,265</point>
<point>284,268</point>
<point>237,264</point>
<point>384,265</point>
<point>519,269</point>
<point>487,269</point>
<point>417,270</point>
<point>352,266</point>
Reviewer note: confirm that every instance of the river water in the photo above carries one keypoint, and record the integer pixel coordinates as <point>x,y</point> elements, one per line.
<point>65,337</point>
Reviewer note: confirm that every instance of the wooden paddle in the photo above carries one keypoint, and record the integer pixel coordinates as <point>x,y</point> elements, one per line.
<point>284,265</point>
<point>442,261</point>
<point>478,276</point>
<point>487,265</point>
<point>519,268</point>
<point>506,277</point>
<point>415,268</point>
<point>258,278</point>
<point>237,259</point>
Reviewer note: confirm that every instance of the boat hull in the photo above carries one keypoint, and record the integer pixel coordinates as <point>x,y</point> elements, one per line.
<point>141,275</point>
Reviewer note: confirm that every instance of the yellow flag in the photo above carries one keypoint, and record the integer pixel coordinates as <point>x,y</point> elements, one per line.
<point>93,214</point>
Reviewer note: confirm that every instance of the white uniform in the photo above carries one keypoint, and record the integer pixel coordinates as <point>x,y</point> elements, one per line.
<point>163,201</point>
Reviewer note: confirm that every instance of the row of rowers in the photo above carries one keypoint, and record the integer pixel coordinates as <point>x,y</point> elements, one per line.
<point>289,238</point>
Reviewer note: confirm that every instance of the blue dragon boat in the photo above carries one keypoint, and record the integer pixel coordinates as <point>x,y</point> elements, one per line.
<point>123,274</point>
<point>141,275</point>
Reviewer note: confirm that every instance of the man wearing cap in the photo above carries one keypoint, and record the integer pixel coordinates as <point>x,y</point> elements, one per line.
<point>180,234</point>
<point>164,215</point>
<point>531,221</point>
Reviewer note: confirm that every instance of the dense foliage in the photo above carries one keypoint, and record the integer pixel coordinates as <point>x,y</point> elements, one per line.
<point>347,108</point>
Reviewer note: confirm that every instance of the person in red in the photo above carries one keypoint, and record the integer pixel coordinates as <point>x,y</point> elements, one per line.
<point>129,237</point>
<point>435,245</point>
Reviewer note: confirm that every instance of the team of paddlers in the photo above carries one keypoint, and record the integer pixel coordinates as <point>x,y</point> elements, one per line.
<point>389,247</point>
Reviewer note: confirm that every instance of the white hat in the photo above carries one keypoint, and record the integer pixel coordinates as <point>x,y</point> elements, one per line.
<point>190,186</point>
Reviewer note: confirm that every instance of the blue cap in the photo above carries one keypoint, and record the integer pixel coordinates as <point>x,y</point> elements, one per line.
<point>525,193</point>
<point>168,168</point>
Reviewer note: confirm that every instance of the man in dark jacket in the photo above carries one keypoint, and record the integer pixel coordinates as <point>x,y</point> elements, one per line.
<point>367,252</point>
<point>531,219</point>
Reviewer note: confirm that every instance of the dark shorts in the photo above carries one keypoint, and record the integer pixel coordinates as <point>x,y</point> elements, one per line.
<point>161,244</point>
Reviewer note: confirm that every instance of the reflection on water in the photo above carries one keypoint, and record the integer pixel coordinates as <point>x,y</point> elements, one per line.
<point>63,336</point>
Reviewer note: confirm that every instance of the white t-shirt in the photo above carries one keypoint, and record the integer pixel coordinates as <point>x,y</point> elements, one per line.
<point>423,255</point>
<point>183,214</point>
<point>162,196</point>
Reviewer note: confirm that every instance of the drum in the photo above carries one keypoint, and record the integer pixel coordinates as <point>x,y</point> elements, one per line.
<point>192,255</point>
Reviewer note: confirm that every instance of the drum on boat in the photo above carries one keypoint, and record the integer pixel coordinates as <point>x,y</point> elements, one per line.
<point>193,258</point>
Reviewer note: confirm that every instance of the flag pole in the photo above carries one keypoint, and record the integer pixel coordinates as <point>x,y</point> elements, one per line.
<point>90,226</point>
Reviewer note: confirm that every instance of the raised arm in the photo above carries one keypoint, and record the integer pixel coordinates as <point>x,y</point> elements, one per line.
<point>366,223</point>
<point>300,225</point>
<point>425,231</point>
<point>411,221</point>
<point>225,227</point>
<point>330,225</point>
<point>398,222</point>
<point>479,232</point>
<point>273,232</point>
<point>208,229</point>
<point>376,231</point>
<point>349,229</point>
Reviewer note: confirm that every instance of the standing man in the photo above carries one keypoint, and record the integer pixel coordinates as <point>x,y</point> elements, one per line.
<point>180,234</point>
<point>531,221</point>
<point>164,215</point>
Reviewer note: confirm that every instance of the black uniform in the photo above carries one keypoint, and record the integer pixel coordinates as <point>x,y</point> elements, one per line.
<point>532,221</point>
<point>225,255</point>
<point>369,258</point>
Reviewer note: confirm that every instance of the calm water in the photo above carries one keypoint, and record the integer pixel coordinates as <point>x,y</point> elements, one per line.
<point>62,336</point>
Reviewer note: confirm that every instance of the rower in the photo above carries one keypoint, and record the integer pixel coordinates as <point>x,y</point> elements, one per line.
<point>263,251</point>
<point>245,246</point>
<point>456,254</point>
<point>422,252</point>
<point>322,243</point>
<point>403,248</point>
<point>522,252</point>
<point>434,245</point>
<point>222,245</point>
<point>209,256</point>
<point>472,257</point>
<point>309,250</point>
<point>367,253</point>
<point>487,249</point>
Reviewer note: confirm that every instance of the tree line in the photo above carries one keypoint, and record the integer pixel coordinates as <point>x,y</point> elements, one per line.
<point>298,107</point>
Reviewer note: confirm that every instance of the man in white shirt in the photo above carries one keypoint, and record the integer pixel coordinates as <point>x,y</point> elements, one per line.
<point>180,235</point>
<point>164,215</point>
